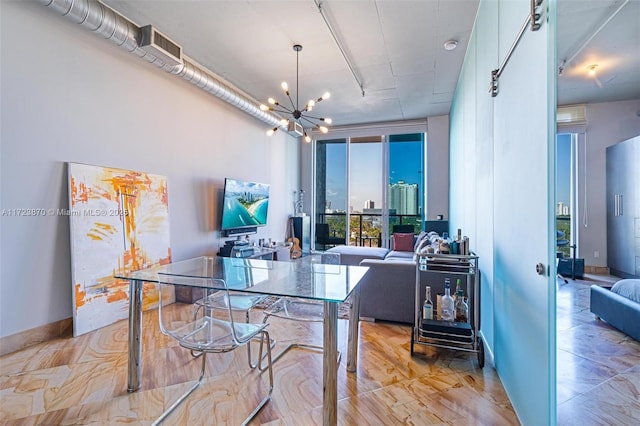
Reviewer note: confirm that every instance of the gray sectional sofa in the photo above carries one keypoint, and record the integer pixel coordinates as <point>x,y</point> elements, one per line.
<point>388,289</point>
<point>619,306</point>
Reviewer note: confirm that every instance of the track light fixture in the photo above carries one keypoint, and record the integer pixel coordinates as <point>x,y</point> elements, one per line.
<point>298,115</point>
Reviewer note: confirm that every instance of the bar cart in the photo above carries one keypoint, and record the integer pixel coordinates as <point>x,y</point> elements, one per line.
<point>431,270</point>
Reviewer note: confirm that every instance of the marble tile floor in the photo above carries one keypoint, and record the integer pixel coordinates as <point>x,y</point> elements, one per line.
<point>598,367</point>
<point>79,381</point>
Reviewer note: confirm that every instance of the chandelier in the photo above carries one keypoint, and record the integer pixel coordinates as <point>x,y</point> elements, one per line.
<point>298,115</point>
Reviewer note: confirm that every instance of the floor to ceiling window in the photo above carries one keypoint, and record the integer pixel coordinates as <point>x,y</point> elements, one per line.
<point>364,185</point>
<point>563,194</point>
<point>406,180</point>
<point>330,193</point>
<point>365,191</point>
<point>566,193</point>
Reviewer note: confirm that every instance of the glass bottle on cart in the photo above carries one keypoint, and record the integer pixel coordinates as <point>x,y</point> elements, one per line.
<point>447,311</point>
<point>427,307</point>
<point>461,307</point>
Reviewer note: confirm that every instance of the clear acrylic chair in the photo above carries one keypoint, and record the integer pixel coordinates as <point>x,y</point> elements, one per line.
<point>210,333</point>
<point>241,303</point>
<point>302,310</point>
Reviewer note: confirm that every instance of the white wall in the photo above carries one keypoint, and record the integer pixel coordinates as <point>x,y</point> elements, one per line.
<point>68,95</point>
<point>607,124</point>
<point>438,167</point>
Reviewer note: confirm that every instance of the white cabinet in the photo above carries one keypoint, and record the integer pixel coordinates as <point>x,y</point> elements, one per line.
<point>623,208</point>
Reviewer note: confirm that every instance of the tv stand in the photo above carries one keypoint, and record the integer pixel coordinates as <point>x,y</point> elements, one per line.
<point>239,232</point>
<point>247,251</point>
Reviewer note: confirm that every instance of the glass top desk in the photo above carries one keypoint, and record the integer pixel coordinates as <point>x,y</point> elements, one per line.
<point>304,278</point>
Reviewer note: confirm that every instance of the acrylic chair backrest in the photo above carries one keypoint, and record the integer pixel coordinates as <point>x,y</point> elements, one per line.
<point>210,285</point>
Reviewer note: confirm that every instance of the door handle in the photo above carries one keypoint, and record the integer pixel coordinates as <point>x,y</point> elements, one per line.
<point>540,268</point>
<point>620,205</point>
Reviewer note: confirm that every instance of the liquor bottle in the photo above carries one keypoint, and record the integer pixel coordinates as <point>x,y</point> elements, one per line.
<point>427,307</point>
<point>456,245</point>
<point>447,313</point>
<point>443,246</point>
<point>461,307</point>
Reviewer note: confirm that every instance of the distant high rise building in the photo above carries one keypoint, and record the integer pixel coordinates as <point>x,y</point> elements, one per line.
<point>562,209</point>
<point>327,207</point>
<point>403,197</point>
<point>369,204</point>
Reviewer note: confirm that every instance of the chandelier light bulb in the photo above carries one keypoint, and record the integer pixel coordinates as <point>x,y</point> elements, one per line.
<point>311,103</point>
<point>272,101</point>
<point>285,86</point>
<point>592,69</point>
<point>270,132</point>
<point>323,129</point>
<point>263,107</point>
<point>326,95</point>
<point>327,120</point>
<point>307,138</point>
<point>284,122</point>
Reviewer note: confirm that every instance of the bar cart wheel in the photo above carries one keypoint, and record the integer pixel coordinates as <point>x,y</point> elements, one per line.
<point>480,353</point>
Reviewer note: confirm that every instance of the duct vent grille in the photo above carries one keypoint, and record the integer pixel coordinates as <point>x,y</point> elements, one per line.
<point>160,46</point>
<point>295,128</point>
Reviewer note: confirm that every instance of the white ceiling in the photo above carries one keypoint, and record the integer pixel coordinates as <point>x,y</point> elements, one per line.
<point>395,49</point>
<point>615,49</point>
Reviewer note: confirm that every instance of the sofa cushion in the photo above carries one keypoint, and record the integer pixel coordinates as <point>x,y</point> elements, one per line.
<point>353,255</point>
<point>628,288</point>
<point>399,255</point>
<point>419,240</point>
<point>403,242</point>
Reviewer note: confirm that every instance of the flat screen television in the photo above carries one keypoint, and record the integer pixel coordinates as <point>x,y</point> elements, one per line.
<point>244,207</point>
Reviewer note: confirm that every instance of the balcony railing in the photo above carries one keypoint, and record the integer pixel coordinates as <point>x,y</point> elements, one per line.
<point>365,229</point>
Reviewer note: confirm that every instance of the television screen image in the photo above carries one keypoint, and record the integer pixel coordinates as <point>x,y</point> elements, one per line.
<point>245,204</point>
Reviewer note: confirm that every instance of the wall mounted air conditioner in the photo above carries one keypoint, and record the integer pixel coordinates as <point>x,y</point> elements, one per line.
<point>160,46</point>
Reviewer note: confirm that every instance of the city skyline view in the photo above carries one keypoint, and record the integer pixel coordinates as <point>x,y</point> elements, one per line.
<point>366,171</point>
<point>563,169</point>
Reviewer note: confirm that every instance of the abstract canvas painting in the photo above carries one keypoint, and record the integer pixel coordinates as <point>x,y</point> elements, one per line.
<point>119,222</point>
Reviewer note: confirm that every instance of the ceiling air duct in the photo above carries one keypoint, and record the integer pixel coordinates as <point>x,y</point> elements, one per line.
<point>152,46</point>
<point>160,46</point>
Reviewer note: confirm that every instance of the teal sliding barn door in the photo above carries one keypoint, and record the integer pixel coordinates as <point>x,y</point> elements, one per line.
<point>524,188</point>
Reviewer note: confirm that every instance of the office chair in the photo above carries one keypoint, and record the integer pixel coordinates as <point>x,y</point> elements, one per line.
<point>403,229</point>
<point>323,236</point>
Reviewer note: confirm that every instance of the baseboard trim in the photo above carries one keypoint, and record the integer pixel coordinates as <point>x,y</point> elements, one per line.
<point>24,339</point>
<point>598,270</point>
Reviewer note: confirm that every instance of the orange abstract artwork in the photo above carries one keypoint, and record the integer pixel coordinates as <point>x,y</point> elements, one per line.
<point>119,222</point>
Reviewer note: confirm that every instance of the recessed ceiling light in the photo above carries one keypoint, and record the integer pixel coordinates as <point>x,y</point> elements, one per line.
<point>450,44</point>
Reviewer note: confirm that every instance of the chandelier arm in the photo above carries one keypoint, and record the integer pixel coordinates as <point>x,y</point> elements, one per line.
<point>284,109</point>
<point>315,118</point>
<point>291,100</point>
<point>311,122</point>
